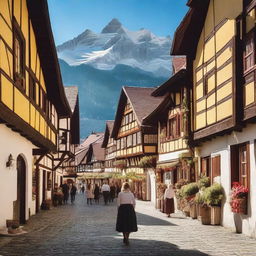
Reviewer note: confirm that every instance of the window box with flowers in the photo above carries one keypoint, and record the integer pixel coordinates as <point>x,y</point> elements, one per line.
<point>238,202</point>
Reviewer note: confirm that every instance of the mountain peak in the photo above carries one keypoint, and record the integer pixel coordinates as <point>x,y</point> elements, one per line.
<point>113,26</point>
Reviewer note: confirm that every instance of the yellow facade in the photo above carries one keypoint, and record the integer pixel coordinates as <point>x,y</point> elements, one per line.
<point>12,96</point>
<point>213,67</point>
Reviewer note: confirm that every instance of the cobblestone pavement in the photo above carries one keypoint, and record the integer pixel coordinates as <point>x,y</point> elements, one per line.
<point>90,230</point>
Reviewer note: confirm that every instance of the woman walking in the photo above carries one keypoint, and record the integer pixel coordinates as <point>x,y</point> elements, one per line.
<point>169,200</point>
<point>126,218</point>
<point>89,194</point>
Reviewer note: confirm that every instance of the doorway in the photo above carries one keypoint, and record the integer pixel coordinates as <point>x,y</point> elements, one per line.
<point>21,189</point>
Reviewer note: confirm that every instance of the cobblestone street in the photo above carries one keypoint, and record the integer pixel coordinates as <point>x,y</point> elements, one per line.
<point>90,230</point>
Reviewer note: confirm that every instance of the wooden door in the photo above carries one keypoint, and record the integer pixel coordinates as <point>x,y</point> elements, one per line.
<point>21,189</point>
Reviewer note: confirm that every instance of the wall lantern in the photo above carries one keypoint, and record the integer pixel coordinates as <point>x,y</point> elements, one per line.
<point>10,161</point>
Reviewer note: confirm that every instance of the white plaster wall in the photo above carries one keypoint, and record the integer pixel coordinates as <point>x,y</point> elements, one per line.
<point>13,143</point>
<point>151,178</point>
<point>221,146</point>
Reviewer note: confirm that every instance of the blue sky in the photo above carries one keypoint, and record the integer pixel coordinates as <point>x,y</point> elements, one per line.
<point>69,18</point>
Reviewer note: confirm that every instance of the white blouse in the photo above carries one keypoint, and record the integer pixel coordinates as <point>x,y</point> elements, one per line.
<point>125,197</point>
<point>169,193</point>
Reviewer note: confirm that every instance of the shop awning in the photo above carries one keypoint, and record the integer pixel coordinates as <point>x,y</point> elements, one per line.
<point>167,165</point>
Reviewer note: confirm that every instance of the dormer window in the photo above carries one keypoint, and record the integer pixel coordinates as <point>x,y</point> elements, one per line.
<point>18,57</point>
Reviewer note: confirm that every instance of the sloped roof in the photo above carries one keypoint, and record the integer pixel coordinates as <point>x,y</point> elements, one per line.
<point>39,15</point>
<point>72,96</point>
<point>98,136</point>
<point>172,84</point>
<point>188,32</point>
<point>141,100</point>
<point>98,152</point>
<point>81,156</point>
<point>178,63</point>
<point>108,132</point>
<point>142,103</point>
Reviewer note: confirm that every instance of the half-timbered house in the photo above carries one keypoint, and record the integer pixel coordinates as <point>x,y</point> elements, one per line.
<point>172,119</point>
<point>110,147</point>
<point>32,99</point>
<point>69,138</point>
<point>134,140</point>
<point>218,38</point>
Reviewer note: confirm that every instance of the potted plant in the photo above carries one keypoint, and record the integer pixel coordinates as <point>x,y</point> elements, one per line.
<point>189,191</point>
<point>213,196</point>
<point>178,193</point>
<point>204,213</point>
<point>238,201</point>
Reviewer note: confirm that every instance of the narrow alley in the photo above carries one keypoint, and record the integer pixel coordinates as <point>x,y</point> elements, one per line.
<point>90,230</point>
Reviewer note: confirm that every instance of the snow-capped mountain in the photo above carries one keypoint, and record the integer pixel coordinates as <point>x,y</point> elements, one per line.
<point>117,45</point>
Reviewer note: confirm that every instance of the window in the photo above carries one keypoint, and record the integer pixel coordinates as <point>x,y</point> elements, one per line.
<point>249,51</point>
<point>118,144</point>
<point>163,131</point>
<point>206,166</point>
<point>123,143</point>
<point>32,89</point>
<point>138,138</point>
<point>44,102</point>
<point>18,57</point>
<point>129,141</point>
<point>134,139</point>
<point>240,167</point>
<point>174,127</point>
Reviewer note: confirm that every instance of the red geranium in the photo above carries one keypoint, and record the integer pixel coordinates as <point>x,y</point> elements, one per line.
<point>238,198</point>
<point>238,191</point>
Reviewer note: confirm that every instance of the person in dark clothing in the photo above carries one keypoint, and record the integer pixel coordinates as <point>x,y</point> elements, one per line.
<point>73,193</point>
<point>118,189</point>
<point>65,191</point>
<point>112,192</point>
<point>96,193</point>
<point>82,188</point>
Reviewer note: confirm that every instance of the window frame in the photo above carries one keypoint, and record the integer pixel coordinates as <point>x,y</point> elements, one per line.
<point>250,36</point>
<point>19,77</point>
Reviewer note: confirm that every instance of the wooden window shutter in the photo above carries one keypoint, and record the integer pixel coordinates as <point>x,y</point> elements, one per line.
<point>203,166</point>
<point>215,167</point>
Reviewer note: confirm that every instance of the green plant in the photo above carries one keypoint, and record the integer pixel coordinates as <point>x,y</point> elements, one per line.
<point>213,195</point>
<point>190,190</point>
<point>199,198</point>
<point>204,182</point>
<point>148,162</point>
<point>181,183</point>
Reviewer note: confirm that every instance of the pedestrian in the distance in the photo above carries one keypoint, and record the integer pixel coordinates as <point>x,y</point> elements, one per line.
<point>169,200</point>
<point>118,189</point>
<point>73,193</point>
<point>65,191</point>
<point>112,192</point>
<point>89,193</point>
<point>105,189</point>
<point>82,188</point>
<point>126,217</point>
<point>97,194</point>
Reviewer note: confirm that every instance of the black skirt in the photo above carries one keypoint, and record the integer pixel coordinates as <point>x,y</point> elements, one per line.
<point>126,219</point>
